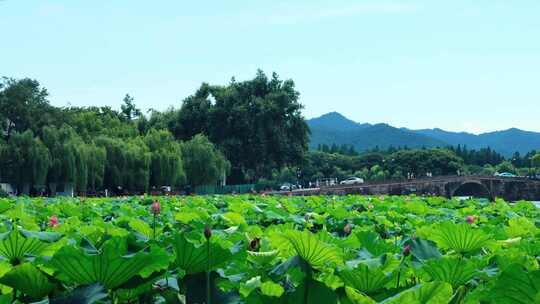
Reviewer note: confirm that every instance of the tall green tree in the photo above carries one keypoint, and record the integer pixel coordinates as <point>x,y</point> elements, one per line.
<point>129,109</point>
<point>113,177</point>
<point>423,161</point>
<point>137,165</point>
<point>506,166</point>
<point>24,106</point>
<point>96,160</point>
<point>536,160</point>
<point>26,160</point>
<point>204,164</point>
<point>257,123</point>
<point>166,167</point>
<point>62,145</point>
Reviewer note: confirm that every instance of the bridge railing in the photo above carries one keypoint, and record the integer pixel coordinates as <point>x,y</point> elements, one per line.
<point>426,179</point>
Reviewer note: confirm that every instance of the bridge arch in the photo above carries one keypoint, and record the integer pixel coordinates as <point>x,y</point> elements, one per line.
<point>472,188</point>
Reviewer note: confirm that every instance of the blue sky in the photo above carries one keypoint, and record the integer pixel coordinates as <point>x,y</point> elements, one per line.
<point>459,65</point>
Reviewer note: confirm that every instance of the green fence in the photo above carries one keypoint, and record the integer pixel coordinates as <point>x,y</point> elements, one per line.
<point>211,189</point>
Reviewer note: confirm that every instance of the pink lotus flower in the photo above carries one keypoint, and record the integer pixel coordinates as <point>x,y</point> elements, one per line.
<point>406,250</point>
<point>470,219</point>
<point>370,206</point>
<point>156,207</point>
<point>53,221</point>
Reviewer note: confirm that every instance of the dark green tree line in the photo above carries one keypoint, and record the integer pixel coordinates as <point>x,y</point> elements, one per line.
<point>249,129</point>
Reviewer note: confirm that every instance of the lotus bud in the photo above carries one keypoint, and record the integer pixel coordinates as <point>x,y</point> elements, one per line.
<point>347,229</point>
<point>53,221</point>
<point>156,207</point>
<point>406,250</point>
<point>470,219</point>
<point>207,232</point>
<point>255,244</point>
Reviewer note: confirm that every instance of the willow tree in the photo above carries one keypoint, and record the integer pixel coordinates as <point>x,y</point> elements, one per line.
<point>137,169</point>
<point>166,167</point>
<point>3,155</point>
<point>25,160</point>
<point>203,162</point>
<point>64,155</point>
<point>113,177</point>
<point>127,163</point>
<point>96,158</point>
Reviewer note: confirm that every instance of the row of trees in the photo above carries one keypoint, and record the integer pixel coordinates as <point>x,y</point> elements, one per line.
<point>242,131</point>
<point>43,147</point>
<point>62,157</point>
<point>379,164</point>
<point>334,148</point>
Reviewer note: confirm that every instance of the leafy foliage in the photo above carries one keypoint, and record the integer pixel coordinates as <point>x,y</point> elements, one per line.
<point>365,279</point>
<point>111,265</point>
<point>29,280</point>
<point>257,249</point>
<point>462,238</point>
<point>515,286</point>
<point>312,250</point>
<point>433,293</point>
<point>453,270</point>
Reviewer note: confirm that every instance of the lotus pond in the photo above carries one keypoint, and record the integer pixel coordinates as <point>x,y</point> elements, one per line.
<point>264,250</point>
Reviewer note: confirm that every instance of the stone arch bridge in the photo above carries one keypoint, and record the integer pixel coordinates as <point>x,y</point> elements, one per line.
<point>491,187</point>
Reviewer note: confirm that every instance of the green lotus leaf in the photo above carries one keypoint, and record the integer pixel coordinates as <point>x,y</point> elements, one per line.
<point>428,293</point>
<point>142,227</point>
<point>312,292</point>
<point>363,278</point>
<point>517,286</point>
<point>82,295</point>
<point>424,249</point>
<point>353,296</point>
<point>233,218</point>
<point>111,266</point>
<point>315,252</point>
<point>29,280</point>
<point>193,258</point>
<point>453,270</point>
<point>371,242</point>
<point>520,226</point>
<point>18,243</point>
<point>250,285</point>
<point>271,289</point>
<point>263,257</point>
<point>462,238</point>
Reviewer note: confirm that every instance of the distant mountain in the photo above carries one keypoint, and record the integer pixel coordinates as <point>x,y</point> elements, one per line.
<point>335,121</point>
<point>335,128</point>
<point>505,142</point>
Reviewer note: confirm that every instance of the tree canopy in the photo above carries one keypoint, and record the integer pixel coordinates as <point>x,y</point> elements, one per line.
<point>242,131</point>
<point>256,123</point>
